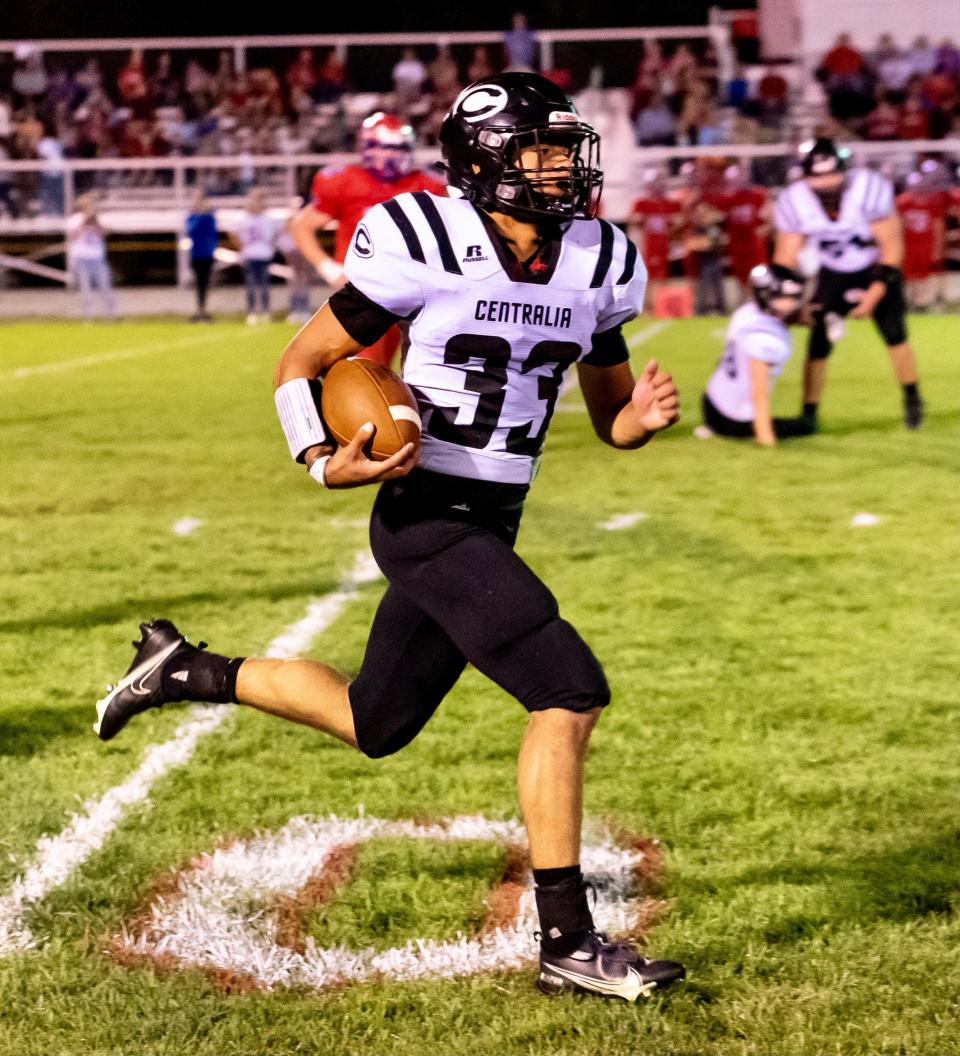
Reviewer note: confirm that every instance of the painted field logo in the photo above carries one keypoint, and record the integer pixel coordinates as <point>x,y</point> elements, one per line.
<point>238,912</point>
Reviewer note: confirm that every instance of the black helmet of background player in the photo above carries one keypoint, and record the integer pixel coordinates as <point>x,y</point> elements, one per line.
<point>496,144</point>
<point>824,168</point>
<point>777,290</point>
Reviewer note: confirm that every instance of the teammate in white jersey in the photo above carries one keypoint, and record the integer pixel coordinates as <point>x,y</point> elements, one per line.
<point>755,351</point>
<point>851,220</point>
<point>504,289</point>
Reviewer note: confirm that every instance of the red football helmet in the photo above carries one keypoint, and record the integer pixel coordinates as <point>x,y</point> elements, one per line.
<point>386,146</point>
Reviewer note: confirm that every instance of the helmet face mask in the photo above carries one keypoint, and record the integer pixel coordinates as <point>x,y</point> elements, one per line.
<point>515,144</point>
<point>824,168</point>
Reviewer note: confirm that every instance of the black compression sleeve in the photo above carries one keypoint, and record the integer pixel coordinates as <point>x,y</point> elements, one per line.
<point>364,320</point>
<point>607,349</point>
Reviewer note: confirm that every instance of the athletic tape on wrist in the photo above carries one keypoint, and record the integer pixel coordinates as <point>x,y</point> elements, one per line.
<point>298,405</point>
<point>319,470</point>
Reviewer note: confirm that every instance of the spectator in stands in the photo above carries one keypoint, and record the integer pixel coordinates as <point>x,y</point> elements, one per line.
<point>197,82</point>
<point>88,78</point>
<point>301,73</point>
<point>164,85</point>
<point>773,97</point>
<point>914,120</point>
<point>561,73</point>
<point>444,77</point>
<point>409,75</point>
<point>27,132</point>
<point>948,59</point>
<point>8,194</point>
<point>520,44</point>
<point>654,124</point>
<point>696,114</point>
<point>847,80</point>
<point>87,257</point>
<point>331,79</point>
<point>50,151</point>
<point>256,237</point>
<point>922,56</point>
<point>6,117</point>
<point>132,82</point>
<point>29,81</point>
<point>893,67</point>
<point>264,96</point>
<point>738,89</point>
<point>883,122</point>
<point>480,65</point>
<point>201,227</point>
<point>222,81</point>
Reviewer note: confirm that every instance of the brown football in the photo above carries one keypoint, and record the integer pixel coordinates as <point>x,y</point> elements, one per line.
<point>357,391</point>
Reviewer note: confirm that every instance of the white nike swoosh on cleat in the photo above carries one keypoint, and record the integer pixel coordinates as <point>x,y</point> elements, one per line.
<point>139,673</point>
<point>629,988</point>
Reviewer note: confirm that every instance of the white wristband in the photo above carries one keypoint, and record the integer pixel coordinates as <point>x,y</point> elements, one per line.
<point>330,271</point>
<point>299,416</point>
<point>319,470</point>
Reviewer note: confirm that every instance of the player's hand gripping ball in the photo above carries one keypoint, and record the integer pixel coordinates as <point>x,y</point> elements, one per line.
<point>356,391</point>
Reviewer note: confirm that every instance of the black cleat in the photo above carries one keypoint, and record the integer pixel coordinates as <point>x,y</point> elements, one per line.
<point>912,411</point>
<point>614,969</point>
<point>142,686</point>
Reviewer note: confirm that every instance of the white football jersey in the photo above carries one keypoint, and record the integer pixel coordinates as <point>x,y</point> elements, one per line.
<point>845,244</point>
<point>487,353</point>
<point>752,334</point>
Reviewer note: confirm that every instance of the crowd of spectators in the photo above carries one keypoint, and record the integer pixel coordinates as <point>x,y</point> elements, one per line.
<point>893,92</point>
<point>680,98</point>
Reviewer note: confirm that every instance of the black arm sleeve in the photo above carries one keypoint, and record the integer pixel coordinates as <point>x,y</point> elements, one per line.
<point>607,349</point>
<point>365,321</point>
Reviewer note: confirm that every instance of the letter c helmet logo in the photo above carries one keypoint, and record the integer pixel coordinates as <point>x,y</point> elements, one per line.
<point>479,102</point>
<point>362,242</point>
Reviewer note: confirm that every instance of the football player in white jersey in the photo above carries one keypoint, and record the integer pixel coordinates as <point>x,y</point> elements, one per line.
<point>504,288</point>
<point>755,351</point>
<point>851,219</point>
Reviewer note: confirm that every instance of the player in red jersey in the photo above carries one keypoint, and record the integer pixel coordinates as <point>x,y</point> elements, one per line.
<point>654,220</point>
<point>346,193</point>
<point>747,213</point>
<point>923,212</point>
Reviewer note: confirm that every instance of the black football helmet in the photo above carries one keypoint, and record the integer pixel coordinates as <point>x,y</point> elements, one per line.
<point>821,157</point>
<point>493,121</point>
<point>770,281</point>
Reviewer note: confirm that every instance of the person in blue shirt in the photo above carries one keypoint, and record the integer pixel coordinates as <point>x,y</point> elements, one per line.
<point>202,232</point>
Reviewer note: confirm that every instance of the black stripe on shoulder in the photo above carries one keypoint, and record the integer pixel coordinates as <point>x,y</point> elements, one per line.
<point>432,213</point>
<point>629,265</point>
<point>400,218</point>
<point>605,257</point>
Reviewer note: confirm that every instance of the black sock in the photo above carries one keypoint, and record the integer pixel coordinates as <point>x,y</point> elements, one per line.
<point>910,390</point>
<point>810,410</point>
<point>197,675</point>
<point>550,877</point>
<point>565,917</point>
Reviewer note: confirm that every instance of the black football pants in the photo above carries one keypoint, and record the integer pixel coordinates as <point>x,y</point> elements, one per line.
<point>458,593</point>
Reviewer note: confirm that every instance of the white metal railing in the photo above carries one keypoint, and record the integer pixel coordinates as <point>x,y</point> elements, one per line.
<point>161,208</point>
<point>284,168</point>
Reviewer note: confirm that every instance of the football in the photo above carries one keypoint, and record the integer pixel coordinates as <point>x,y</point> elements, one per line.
<point>357,391</point>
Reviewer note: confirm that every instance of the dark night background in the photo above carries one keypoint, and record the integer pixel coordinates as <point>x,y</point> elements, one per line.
<point>118,18</point>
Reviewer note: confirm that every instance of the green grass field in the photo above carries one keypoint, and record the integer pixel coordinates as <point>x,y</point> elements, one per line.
<point>784,719</point>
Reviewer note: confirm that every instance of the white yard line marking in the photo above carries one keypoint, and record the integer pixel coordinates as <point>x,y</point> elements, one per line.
<point>219,916</point>
<point>641,337</point>
<point>864,520</point>
<point>186,525</point>
<point>156,348</point>
<point>621,521</point>
<point>719,332</point>
<point>56,857</point>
